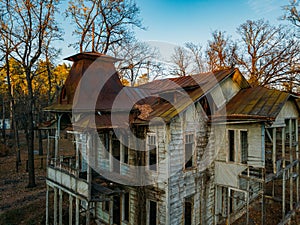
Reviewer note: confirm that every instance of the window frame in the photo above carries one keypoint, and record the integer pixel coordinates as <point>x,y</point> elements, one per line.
<point>235,147</point>
<point>192,158</point>
<point>153,167</point>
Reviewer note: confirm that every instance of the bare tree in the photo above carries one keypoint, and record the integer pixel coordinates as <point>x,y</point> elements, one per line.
<point>101,24</point>
<point>292,12</point>
<point>220,51</point>
<point>138,58</point>
<point>196,52</point>
<point>32,22</point>
<point>268,54</point>
<point>182,60</point>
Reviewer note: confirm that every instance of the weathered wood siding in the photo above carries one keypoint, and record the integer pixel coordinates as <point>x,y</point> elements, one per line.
<point>289,110</point>
<point>255,142</point>
<point>195,183</point>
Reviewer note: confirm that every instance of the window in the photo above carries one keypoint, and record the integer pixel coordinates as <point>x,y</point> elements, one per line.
<point>105,206</point>
<point>231,145</point>
<point>188,151</point>
<point>188,209</point>
<point>152,152</point>
<point>125,149</point>
<point>244,146</point>
<point>116,210</point>
<point>126,207</point>
<point>116,154</point>
<point>237,146</point>
<point>152,213</point>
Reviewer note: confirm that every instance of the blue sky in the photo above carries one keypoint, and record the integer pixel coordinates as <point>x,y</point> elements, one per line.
<point>179,21</point>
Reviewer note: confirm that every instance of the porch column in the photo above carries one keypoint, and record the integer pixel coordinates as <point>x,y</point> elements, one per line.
<point>291,161</point>
<point>47,205</point>
<point>77,211</point>
<point>60,206</point>
<point>297,157</point>
<point>55,206</point>
<point>284,171</point>
<point>88,214</point>
<point>70,209</point>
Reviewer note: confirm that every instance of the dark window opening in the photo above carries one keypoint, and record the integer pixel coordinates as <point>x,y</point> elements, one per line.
<point>152,213</point>
<point>189,144</point>
<point>126,207</point>
<point>116,210</point>
<point>187,212</point>
<point>244,146</point>
<point>116,154</point>
<point>152,152</point>
<point>231,145</point>
<point>105,206</point>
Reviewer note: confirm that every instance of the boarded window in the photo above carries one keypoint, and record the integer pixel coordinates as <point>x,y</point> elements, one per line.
<point>188,151</point>
<point>231,145</point>
<point>152,152</point>
<point>244,146</point>
<point>152,213</point>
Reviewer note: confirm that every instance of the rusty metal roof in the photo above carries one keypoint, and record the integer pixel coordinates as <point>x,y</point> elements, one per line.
<point>202,80</point>
<point>188,90</point>
<point>91,56</point>
<point>256,103</point>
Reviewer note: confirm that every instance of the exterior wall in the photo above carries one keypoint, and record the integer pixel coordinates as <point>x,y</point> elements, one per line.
<point>225,91</point>
<point>193,183</point>
<point>289,110</point>
<point>255,142</point>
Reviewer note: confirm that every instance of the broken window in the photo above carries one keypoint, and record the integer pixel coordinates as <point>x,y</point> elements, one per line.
<point>152,152</point>
<point>231,152</point>
<point>244,146</point>
<point>188,209</point>
<point>188,150</point>
<point>152,213</point>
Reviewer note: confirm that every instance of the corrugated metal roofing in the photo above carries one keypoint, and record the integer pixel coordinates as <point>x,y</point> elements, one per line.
<point>203,80</point>
<point>257,103</point>
<point>188,89</point>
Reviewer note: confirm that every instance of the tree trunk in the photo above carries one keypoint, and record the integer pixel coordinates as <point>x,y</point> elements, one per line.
<point>30,132</point>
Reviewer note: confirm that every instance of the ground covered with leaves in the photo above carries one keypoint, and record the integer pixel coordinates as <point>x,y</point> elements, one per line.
<point>18,204</point>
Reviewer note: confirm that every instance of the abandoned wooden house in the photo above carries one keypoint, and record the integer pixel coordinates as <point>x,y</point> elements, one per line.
<point>198,149</point>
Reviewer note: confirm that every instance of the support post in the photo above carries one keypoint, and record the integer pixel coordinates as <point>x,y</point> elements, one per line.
<point>70,209</point>
<point>60,206</point>
<point>47,205</point>
<point>274,151</point>
<point>55,206</point>
<point>297,157</point>
<point>284,172</point>
<point>291,161</point>
<point>88,214</point>
<point>77,211</point>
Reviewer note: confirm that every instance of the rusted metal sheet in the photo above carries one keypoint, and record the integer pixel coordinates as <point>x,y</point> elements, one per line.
<point>256,103</point>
